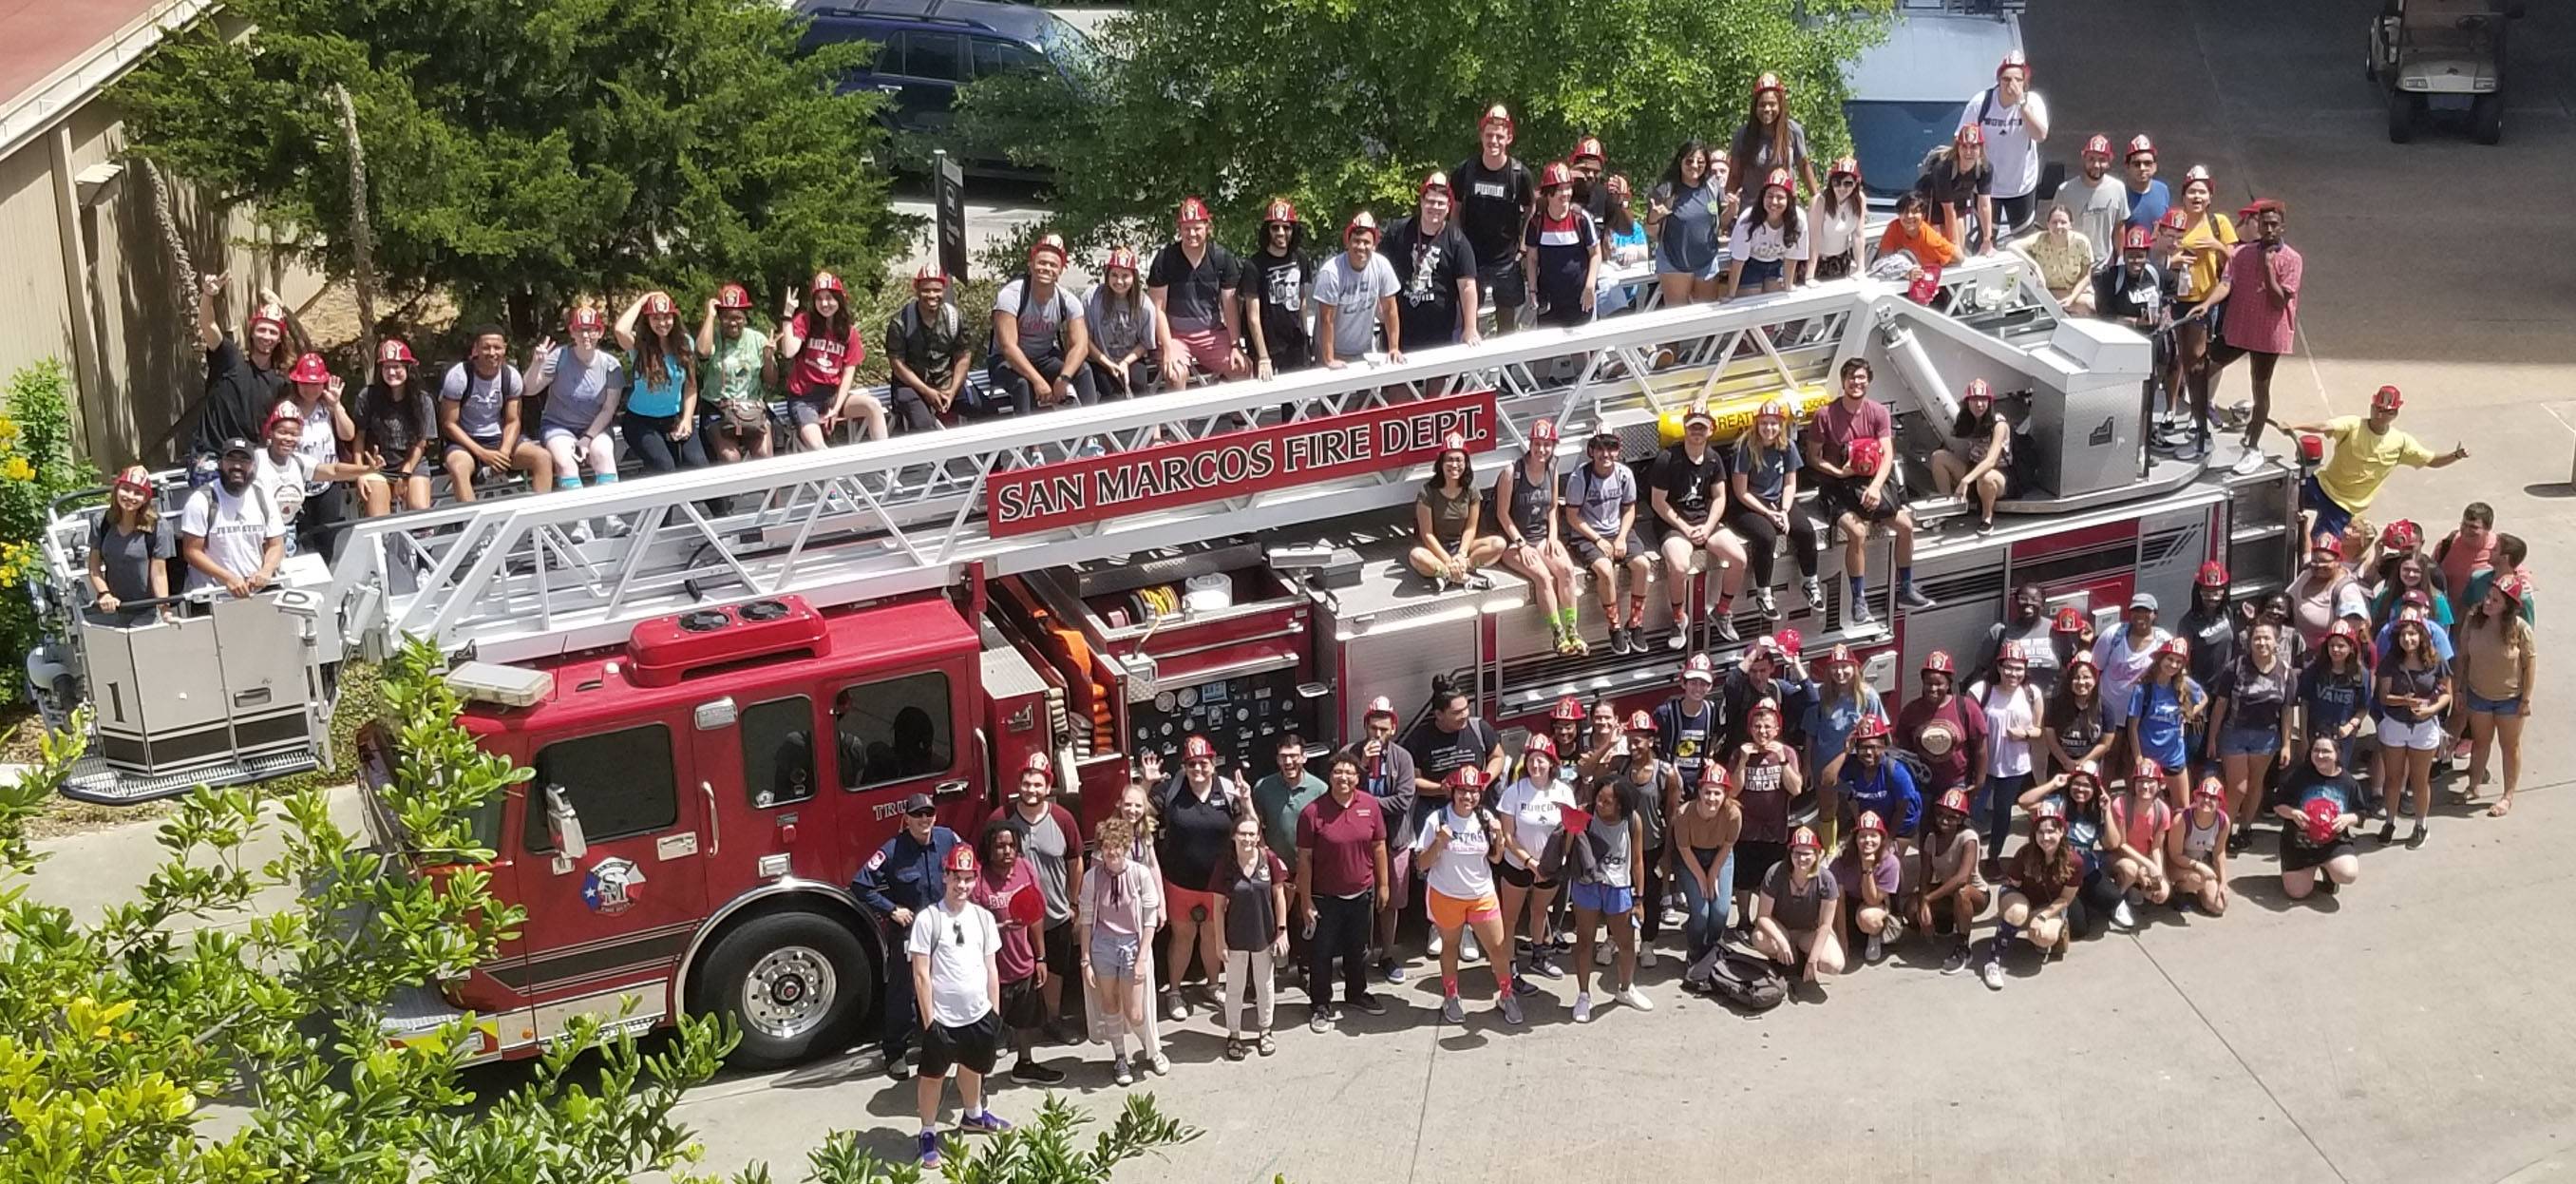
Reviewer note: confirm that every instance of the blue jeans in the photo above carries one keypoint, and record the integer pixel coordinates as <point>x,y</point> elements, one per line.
<point>1994,810</point>
<point>1704,917</point>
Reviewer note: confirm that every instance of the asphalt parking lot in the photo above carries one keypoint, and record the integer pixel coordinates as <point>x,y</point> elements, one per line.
<point>2409,1030</point>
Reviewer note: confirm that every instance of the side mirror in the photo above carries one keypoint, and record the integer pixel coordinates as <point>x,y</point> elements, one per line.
<point>563,826</point>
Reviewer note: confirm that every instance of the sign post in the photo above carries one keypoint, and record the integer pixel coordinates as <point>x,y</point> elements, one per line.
<point>948,195</point>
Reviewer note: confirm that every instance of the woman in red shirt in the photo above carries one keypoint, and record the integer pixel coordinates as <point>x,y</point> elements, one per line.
<point>823,346</point>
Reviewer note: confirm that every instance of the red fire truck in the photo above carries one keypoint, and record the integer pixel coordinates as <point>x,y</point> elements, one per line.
<point>724,705</point>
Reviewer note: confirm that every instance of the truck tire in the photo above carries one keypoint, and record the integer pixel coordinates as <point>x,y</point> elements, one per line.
<point>2486,119</point>
<point>796,985</point>
<point>2401,117</point>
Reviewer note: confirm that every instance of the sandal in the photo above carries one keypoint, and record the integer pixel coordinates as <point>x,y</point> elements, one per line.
<point>1234,1050</point>
<point>1267,1045</point>
<point>1566,645</point>
<point>2502,807</point>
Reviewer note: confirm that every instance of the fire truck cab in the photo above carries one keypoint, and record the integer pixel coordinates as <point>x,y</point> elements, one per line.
<point>725,707</point>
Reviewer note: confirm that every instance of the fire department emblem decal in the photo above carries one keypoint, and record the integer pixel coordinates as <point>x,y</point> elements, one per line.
<point>612,886</point>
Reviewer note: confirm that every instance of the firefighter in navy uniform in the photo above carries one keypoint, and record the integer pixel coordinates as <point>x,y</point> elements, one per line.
<point>903,878</point>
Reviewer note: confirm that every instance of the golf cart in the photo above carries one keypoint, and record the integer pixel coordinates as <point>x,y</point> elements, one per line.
<point>2441,54</point>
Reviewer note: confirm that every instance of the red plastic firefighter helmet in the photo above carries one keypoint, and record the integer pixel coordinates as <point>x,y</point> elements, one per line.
<point>1121,259</point>
<point>2013,60</point>
<point>2140,145</point>
<point>1870,727</point>
<point>1777,408</point>
<point>1779,179</point>
<point>733,296</point>
<point>1765,706</point>
<point>2199,173</point>
<point>2401,535</point>
<point>2387,399</point>
<point>1699,669</point>
<point>2318,819</point>
<point>2345,629</point>
<point>1789,642</point>
<point>1453,442</point>
<point>1361,223</point>
<point>1050,244</point>
<point>1970,136</point>
<point>1540,742</point>
<point>1939,662</point>
<point>136,478</point>
<point>2174,219</point>
<point>1770,82</point>
<point>658,304</point>
<point>1554,176</point>
<point>1805,837</point>
<point>1280,211</point>
<point>1639,721</point>
<point>1587,148</point>
<point>309,368</point>
<point>2147,770</point>
<point>2211,790</point>
<point>585,317</point>
<point>2137,238</point>
<point>271,313</point>
<point>1866,454</point>
<point>2326,544</point>
<point>2213,574</point>
<point>961,858</point>
<point>2175,647</point>
<point>1380,706</point>
<point>1501,114</point>
<point>1843,166</point>
<point>1954,801</point>
<point>1979,391</point>
<point>2099,145</point>
<point>1544,429</point>
<point>1439,181</point>
<point>1466,777</point>
<point>825,281</point>
<point>1192,210</point>
<point>1714,773</point>
<point>2069,620</point>
<point>2513,588</point>
<point>1038,763</point>
<point>1197,748</point>
<point>1840,655</point>
<point>1567,708</point>
<point>1869,820</point>
<point>2048,812</point>
<point>393,350</point>
<point>2085,771</point>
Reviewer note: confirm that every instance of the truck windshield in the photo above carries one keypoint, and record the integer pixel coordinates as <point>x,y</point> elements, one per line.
<point>1891,138</point>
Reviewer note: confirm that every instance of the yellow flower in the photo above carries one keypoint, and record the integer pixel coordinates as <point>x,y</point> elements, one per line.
<point>8,428</point>
<point>17,469</point>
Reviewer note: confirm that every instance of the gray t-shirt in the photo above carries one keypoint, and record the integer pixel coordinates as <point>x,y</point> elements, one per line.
<point>1040,320</point>
<point>2099,208</point>
<point>126,557</point>
<point>479,399</point>
<point>1353,295</point>
<point>1598,500</point>
<point>1047,848</point>
<point>578,390</point>
<point>1116,327</point>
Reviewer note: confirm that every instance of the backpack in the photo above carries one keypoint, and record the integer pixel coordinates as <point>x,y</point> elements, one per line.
<point>1749,982</point>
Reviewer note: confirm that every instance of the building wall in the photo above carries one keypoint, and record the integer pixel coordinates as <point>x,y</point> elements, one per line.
<point>150,370</point>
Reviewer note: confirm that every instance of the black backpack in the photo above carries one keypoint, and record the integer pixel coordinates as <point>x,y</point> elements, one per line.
<point>1748,982</point>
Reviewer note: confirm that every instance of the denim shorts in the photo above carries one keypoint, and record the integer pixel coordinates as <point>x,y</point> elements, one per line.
<point>1113,955</point>
<point>1602,898</point>
<point>1757,273</point>
<point>2249,742</point>
<point>2485,706</point>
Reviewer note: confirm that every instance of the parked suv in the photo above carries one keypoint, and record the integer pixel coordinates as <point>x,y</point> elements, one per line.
<point>926,49</point>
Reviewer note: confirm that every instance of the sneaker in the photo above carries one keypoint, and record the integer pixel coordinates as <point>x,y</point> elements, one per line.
<point>2326,884</point>
<point>1318,1018</point>
<point>930,1147</point>
<point>1601,954</point>
<point>1434,948</point>
<point>1029,1072</point>
<point>1391,971</point>
<point>1812,591</point>
<point>1992,974</point>
<point>1523,985</point>
<point>1545,966</point>
<point>2124,916</point>
<point>1468,950</point>
<point>581,534</point>
<point>2248,463</point>
<point>1633,999</point>
<point>1480,582</point>
<point>1510,1006</point>
<point>1618,640</point>
<point>1725,624</point>
<point>1768,607</point>
<point>1912,597</point>
<point>1856,614</point>
<point>1160,1064</point>
<point>1179,1008</point>
<point>2415,838</point>
<point>1583,1007</point>
<point>1894,930</point>
<point>1956,962</point>
<point>1645,954</point>
<point>1451,1010</point>
<point>986,1123</point>
<point>1985,528</point>
<point>899,1066</point>
<point>1675,918</point>
<point>1121,1075</point>
<point>1876,951</point>
<point>613,527</point>
<point>1679,639</point>
<point>1368,1004</point>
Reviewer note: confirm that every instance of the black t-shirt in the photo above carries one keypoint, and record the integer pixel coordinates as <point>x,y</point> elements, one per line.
<point>393,425</point>
<point>1694,489</point>
<point>1197,294</point>
<point>1251,918</point>
<point>1437,753</point>
<point>1565,248</point>
<point>1279,284</point>
<point>238,396</point>
<point>2256,698</point>
<point>1943,182</point>
<point>2213,643</point>
<point>1196,833</point>
<point>2119,296</point>
<point>1492,205</point>
<point>1429,267</point>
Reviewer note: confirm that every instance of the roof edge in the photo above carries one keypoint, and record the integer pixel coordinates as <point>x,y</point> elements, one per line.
<point>38,108</point>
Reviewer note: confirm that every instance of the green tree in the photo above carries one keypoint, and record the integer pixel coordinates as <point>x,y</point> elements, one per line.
<point>37,465</point>
<point>119,1036</point>
<point>1339,105</point>
<point>524,152</point>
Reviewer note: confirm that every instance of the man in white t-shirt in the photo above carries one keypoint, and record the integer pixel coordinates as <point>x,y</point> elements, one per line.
<point>957,989</point>
<point>1354,297</point>
<point>230,532</point>
<point>2015,121</point>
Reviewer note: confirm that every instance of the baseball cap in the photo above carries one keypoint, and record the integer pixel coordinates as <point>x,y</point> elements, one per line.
<point>919,803</point>
<point>237,444</point>
<point>2144,600</point>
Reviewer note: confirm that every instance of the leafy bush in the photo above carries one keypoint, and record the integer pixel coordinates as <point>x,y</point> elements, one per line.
<point>37,465</point>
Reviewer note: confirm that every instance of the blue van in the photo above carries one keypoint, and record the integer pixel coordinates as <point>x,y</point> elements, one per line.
<point>926,49</point>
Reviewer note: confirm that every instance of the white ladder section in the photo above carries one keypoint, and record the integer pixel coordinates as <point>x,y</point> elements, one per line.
<point>513,579</point>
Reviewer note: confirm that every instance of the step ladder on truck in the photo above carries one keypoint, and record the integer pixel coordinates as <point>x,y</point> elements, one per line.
<point>726,705</point>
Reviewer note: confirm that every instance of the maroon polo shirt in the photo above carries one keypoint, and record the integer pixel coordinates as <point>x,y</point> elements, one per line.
<point>1342,841</point>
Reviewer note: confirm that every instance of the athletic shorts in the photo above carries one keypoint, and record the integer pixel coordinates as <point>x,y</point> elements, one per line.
<point>1520,877</point>
<point>1841,495</point>
<point>2332,518</point>
<point>491,442</point>
<point>1586,552</point>
<point>1113,955</point>
<point>1207,349</point>
<point>1197,904</point>
<point>1057,951</point>
<point>1450,912</point>
<point>2420,736</point>
<point>1022,1006</point>
<point>972,1047</point>
<point>1611,899</point>
<point>548,433</point>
